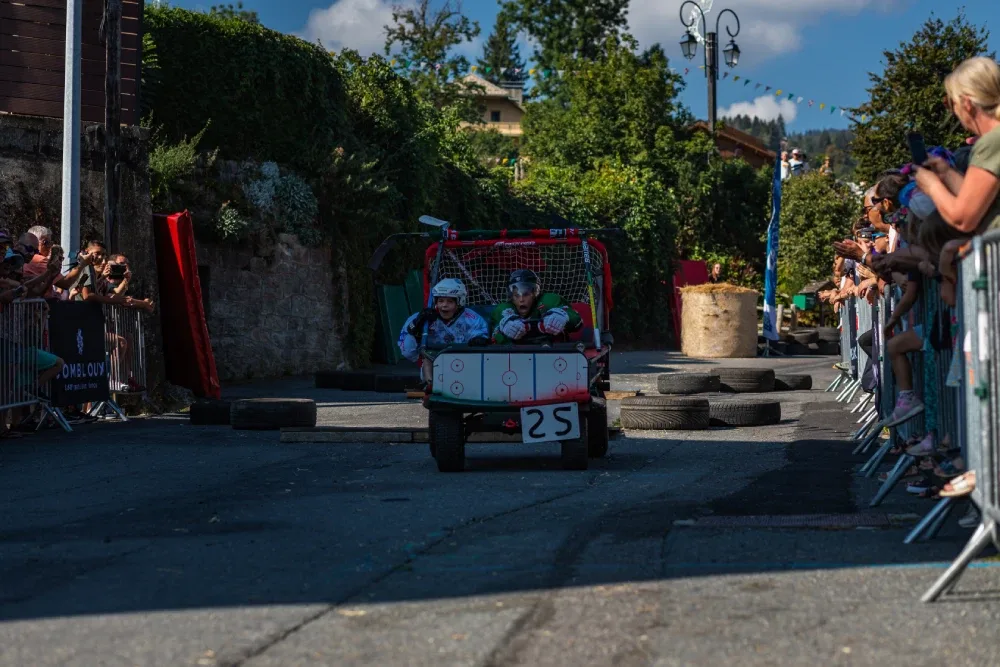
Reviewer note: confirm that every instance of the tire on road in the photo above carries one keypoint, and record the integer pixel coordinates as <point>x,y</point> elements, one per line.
<point>828,334</point>
<point>268,414</point>
<point>330,379</point>
<point>664,413</point>
<point>686,383</point>
<point>575,453</point>
<point>745,380</point>
<point>597,430</point>
<point>447,440</point>
<point>792,382</point>
<point>733,412</point>
<point>806,336</point>
<point>209,412</point>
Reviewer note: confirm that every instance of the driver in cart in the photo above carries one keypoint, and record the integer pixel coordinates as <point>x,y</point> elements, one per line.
<point>531,317</point>
<point>449,321</point>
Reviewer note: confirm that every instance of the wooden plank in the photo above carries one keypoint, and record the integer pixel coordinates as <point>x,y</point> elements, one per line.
<point>43,14</point>
<point>56,63</point>
<point>34,91</point>
<point>48,108</point>
<point>89,6</point>
<point>55,32</point>
<point>49,47</point>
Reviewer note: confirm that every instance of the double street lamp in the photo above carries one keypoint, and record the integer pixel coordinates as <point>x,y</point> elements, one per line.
<point>689,47</point>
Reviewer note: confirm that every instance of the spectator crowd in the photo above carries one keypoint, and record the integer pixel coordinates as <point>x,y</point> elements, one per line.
<point>905,245</point>
<point>32,268</point>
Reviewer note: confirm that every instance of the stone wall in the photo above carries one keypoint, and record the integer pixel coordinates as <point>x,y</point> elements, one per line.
<point>31,194</point>
<point>271,313</point>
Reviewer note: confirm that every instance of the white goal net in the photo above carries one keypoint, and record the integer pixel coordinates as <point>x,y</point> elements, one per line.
<point>560,267</point>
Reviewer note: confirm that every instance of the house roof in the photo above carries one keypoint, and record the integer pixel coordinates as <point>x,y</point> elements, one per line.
<point>490,89</point>
<point>744,139</point>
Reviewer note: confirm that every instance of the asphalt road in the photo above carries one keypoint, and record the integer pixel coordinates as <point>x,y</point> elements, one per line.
<point>158,543</point>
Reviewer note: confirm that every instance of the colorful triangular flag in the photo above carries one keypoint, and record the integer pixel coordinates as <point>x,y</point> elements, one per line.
<point>811,103</point>
<point>777,93</point>
<point>725,75</point>
<point>767,88</point>
<point>736,78</point>
<point>747,83</point>
<point>822,105</point>
<point>686,70</point>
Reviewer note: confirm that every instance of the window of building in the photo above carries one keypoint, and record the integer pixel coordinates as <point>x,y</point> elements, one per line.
<point>494,116</point>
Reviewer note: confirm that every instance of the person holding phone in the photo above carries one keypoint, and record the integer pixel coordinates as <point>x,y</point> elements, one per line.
<point>969,203</point>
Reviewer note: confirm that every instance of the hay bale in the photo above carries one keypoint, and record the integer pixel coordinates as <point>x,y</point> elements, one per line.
<point>718,321</point>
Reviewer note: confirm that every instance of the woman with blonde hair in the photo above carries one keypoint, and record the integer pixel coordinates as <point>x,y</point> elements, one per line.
<point>969,203</point>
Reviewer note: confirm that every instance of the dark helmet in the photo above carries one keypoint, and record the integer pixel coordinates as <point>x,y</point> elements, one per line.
<point>524,281</point>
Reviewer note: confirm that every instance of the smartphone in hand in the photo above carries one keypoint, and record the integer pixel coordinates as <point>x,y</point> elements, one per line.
<point>918,152</point>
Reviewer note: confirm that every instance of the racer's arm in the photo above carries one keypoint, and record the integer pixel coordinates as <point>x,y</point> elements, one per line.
<point>408,343</point>
<point>496,317</point>
<point>550,302</point>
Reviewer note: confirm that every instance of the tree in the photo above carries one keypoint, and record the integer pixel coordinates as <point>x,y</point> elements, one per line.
<point>237,12</point>
<point>908,95</point>
<point>567,29</point>
<point>815,212</point>
<point>616,106</point>
<point>424,39</point>
<point>501,59</point>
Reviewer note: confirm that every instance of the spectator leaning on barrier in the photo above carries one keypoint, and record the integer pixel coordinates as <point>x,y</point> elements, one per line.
<point>969,203</point>
<point>39,239</point>
<point>96,285</point>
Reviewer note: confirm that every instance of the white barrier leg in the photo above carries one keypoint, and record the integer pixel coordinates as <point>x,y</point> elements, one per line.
<point>836,383</point>
<point>983,536</point>
<point>896,474</point>
<point>865,400</point>
<point>935,527</point>
<point>928,519</point>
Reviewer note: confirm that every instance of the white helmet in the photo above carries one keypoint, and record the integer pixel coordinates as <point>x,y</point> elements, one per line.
<point>449,287</point>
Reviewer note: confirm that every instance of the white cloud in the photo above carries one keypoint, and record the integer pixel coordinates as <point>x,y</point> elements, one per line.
<point>768,28</point>
<point>765,107</point>
<point>350,24</point>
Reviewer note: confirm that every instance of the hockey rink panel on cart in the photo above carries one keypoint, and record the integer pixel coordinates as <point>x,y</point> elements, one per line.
<point>510,378</point>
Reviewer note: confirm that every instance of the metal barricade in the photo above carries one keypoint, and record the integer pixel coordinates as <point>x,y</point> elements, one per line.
<point>23,348</point>
<point>979,294</point>
<point>126,353</point>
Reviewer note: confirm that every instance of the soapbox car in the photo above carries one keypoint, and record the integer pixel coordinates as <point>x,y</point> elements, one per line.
<point>550,392</point>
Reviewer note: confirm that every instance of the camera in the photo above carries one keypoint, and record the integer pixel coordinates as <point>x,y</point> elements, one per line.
<point>117,272</point>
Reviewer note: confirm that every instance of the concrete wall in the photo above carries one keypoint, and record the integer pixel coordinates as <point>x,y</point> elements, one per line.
<point>271,313</point>
<point>31,194</point>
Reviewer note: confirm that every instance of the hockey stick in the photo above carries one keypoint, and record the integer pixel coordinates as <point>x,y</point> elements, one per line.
<point>590,290</point>
<point>435,271</point>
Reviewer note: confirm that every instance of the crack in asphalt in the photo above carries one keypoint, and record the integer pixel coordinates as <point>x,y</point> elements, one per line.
<point>520,624</point>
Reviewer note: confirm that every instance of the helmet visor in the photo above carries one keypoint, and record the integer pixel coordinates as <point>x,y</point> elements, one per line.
<point>524,289</point>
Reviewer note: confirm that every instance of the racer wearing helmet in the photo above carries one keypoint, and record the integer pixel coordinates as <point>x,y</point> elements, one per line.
<point>449,321</point>
<point>531,316</point>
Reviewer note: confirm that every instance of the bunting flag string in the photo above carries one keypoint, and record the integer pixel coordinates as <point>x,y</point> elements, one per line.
<point>537,73</point>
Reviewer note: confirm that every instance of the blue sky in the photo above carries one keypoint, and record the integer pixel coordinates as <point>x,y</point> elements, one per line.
<point>821,50</point>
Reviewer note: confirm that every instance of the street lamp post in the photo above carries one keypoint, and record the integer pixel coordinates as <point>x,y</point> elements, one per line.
<point>689,47</point>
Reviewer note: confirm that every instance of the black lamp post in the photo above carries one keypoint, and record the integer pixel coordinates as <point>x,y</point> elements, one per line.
<point>689,47</point>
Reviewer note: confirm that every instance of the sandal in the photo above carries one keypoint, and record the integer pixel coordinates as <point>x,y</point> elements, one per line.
<point>900,448</point>
<point>949,469</point>
<point>962,485</point>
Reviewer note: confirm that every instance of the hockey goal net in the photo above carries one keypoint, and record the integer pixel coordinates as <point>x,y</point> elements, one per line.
<point>485,267</point>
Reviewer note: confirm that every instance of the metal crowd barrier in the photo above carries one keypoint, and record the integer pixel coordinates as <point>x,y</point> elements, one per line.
<point>24,333</point>
<point>979,295</point>
<point>126,354</point>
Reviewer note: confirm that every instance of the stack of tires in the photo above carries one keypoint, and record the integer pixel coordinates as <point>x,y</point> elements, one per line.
<point>694,401</point>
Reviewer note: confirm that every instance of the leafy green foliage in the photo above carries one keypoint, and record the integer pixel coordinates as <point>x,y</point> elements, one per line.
<point>567,29</point>
<point>501,53</point>
<point>816,210</point>
<point>170,166</point>
<point>908,95</point>
<point>269,96</point>
<point>237,12</point>
<point>422,35</point>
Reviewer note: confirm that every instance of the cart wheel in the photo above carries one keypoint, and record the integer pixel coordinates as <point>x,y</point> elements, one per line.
<point>575,452</point>
<point>447,440</point>
<point>597,428</point>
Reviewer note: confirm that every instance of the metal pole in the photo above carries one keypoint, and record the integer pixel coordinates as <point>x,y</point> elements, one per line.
<point>70,227</point>
<point>712,68</point>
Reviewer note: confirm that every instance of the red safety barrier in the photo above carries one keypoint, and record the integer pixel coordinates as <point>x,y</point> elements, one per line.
<point>187,347</point>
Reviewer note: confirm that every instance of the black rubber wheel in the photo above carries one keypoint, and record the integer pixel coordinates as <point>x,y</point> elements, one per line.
<point>829,349</point>
<point>447,440</point>
<point>732,412</point>
<point>395,384</point>
<point>597,429</point>
<point>574,454</point>
<point>828,334</point>
<point>792,382</point>
<point>209,412</point>
<point>269,414</point>
<point>330,379</point>
<point>358,381</point>
<point>686,383</point>
<point>664,413</point>
<point>745,380</point>
<point>805,336</point>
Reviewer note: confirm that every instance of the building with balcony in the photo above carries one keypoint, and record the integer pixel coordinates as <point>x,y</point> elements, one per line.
<point>502,106</point>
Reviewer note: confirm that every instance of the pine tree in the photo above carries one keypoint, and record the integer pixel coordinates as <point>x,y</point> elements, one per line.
<point>908,95</point>
<point>501,59</point>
